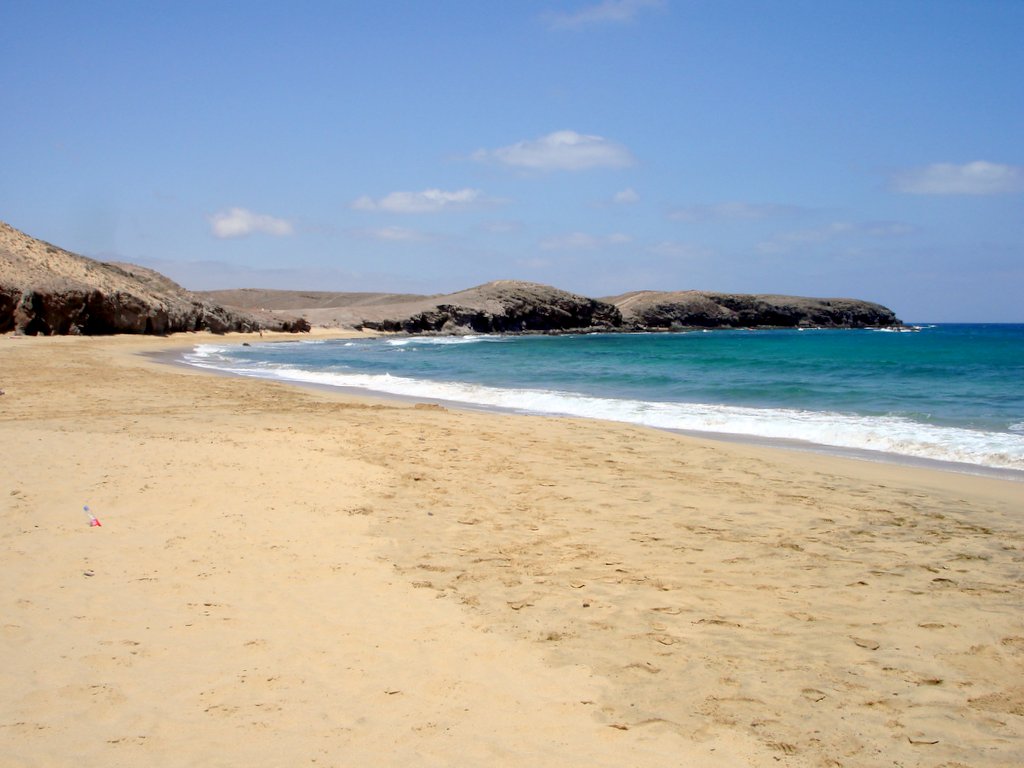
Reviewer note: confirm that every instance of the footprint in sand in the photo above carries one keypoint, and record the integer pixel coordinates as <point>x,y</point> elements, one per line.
<point>870,645</point>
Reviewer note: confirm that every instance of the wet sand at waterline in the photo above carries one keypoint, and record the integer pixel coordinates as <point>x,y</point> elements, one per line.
<point>285,576</point>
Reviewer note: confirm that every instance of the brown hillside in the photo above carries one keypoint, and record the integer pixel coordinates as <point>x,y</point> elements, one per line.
<point>48,290</point>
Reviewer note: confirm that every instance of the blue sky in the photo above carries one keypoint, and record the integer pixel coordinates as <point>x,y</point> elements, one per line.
<point>842,148</point>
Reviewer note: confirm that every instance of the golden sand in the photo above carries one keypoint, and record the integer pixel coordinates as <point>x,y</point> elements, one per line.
<point>290,577</point>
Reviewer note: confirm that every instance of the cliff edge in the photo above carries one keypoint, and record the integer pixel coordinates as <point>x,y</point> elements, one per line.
<point>46,290</point>
<point>667,310</point>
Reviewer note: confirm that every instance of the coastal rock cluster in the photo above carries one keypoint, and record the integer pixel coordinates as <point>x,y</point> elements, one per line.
<point>46,290</point>
<point>662,310</point>
<point>508,306</point>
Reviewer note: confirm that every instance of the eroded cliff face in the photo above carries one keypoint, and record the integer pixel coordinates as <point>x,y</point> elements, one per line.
<point>506,306</point>
<point>46,290</point>
<point>665,310</point>
<point>514,307</point>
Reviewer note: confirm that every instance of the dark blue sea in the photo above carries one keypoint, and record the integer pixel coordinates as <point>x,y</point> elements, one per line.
<point>952,393</point>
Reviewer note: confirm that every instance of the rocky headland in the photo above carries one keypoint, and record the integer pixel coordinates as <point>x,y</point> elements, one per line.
<point>504,306</point>
<point>668,310</point>
<point>510,306</point>
<point>47,290</point>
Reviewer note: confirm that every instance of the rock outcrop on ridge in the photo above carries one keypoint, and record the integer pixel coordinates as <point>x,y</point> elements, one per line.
<point>506,306</point>
<point>666,310</point>
<point>503,306</point>
<point>50,291</point>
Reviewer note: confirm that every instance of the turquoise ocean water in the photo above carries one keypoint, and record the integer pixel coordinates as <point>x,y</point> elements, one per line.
<point>951,393</point>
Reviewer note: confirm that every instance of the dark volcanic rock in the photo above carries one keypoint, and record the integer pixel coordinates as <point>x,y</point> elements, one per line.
<point>516,307</point>
<point>506,306</point>
<point>47,290</point>
<point>661,310</point>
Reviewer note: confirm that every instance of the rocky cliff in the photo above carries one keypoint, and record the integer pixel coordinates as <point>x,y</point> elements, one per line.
<point>47,290</point>
<point>505,306</point>
<point>665,310</point>
<point>510,306</point>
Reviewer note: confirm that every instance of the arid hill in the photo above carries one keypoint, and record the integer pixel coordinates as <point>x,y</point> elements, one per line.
<point>48,290</point>
<point>328,309</point>
<point>506,306</point>
<point>513,306</point>
<point>700,309</point>
<point>502,306</point>
<point>271,299</point>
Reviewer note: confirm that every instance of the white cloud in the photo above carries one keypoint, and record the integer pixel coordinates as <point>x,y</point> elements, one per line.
<point>627,196</point>
<point>239,222</point>
<point>560,151</point>
<point>578,241</point>
<point>732,211</point>
<point>427,201</point>
<point>977,178</point>
<point>605,12</point>
<point>787,241</point>
<point>392,234</point>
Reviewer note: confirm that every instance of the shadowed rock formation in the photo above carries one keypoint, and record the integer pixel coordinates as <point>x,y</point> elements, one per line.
<point>47,290</point>
<point>506,306</point>
<point>666,310</point>
<point>503,306</point>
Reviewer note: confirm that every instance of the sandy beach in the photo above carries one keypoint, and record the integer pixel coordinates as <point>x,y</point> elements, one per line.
<point>286,577</point>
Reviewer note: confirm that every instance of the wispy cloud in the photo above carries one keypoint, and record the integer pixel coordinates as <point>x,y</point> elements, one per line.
<point>977,178</point>
<point>789,241</point>
<point>427,201</point>
<point>392,234</point>
<point>579,241</point>
<point>732,211</point>
<point>626,196</point>
<point>560,151</point>
<point>240,222</point>
<point>605,12</point>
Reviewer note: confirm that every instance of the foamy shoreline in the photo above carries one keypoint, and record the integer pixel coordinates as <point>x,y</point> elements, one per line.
<point>288,576</point>
<point>788,443</point>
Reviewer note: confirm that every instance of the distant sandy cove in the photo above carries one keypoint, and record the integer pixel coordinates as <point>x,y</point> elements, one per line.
<point>289,577</point>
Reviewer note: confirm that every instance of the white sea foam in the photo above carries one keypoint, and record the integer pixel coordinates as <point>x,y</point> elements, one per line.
<point>889,434</point>
<point>442,340</point>
<point>207,352</point>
